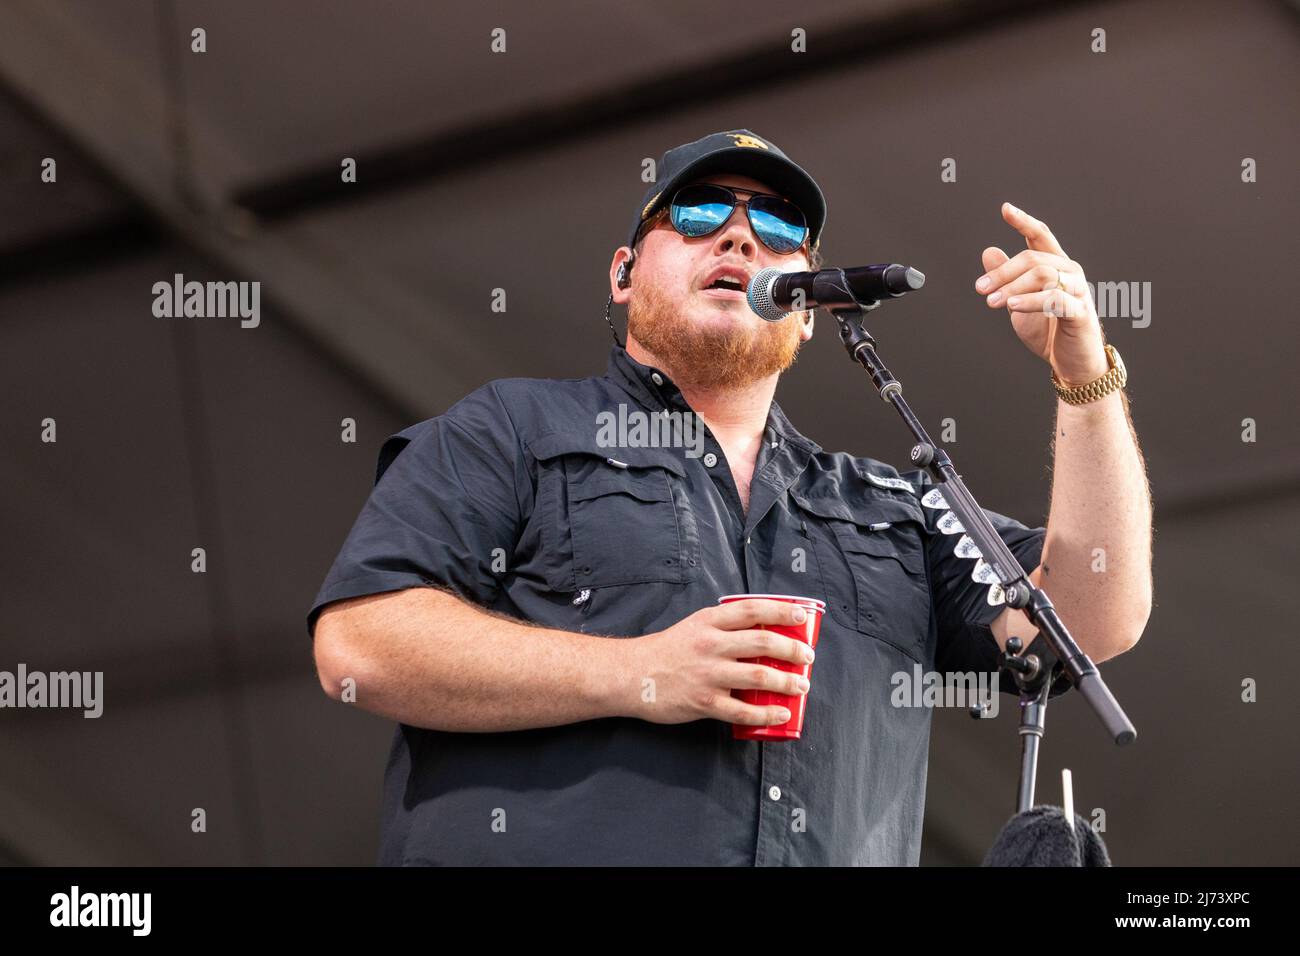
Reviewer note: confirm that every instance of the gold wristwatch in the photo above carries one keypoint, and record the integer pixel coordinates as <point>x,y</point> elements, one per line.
<point>1097,388</point>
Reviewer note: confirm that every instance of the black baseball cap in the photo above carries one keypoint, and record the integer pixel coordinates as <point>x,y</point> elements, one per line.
<point>744,153</point>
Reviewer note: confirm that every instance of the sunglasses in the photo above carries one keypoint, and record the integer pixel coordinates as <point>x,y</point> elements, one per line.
<point>702,208</point>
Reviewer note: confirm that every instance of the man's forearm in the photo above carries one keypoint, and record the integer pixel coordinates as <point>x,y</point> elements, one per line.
<point>1096,562</point>
<point>424,657</point>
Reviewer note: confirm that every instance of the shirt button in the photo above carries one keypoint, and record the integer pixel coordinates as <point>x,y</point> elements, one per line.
<point>774,792</point>
<point>710,460</point>
<point>657,378</point>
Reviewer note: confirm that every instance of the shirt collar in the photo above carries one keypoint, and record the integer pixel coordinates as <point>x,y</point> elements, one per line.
<point>648,385</point>
<point>655,390</point>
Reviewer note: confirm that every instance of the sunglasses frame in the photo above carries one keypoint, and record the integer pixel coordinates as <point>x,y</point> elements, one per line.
<point>749,213</point>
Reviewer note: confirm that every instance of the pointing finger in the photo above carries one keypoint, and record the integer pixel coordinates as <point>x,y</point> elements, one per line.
<point>1036,233</point>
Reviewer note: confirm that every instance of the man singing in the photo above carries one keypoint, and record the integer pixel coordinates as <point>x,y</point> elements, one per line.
<point>537,607</point>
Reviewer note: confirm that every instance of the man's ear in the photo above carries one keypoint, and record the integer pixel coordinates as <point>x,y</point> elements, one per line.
<point>806,326</point>
<point>620,274</point>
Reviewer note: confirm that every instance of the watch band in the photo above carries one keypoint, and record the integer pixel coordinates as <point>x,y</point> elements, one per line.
<point>1098,388</point>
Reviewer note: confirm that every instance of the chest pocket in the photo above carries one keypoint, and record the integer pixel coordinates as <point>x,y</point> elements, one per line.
<point>612,516</point>
<point>880,584</point>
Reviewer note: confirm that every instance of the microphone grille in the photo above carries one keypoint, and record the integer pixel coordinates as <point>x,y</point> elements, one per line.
<point>760,296</point>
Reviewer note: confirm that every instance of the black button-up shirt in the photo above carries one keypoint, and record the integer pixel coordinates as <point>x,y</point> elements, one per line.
<point>558,502</point>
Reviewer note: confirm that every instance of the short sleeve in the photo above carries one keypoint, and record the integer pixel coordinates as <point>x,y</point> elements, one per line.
<point>446,498</point>
<point>965,606</point>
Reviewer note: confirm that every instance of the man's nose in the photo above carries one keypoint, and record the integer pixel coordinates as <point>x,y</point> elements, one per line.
<point>735,232</point>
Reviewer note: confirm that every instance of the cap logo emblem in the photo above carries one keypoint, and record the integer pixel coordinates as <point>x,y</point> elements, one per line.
<point>751,142</point>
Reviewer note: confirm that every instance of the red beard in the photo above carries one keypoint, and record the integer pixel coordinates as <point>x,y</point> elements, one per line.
<point>708,356</point>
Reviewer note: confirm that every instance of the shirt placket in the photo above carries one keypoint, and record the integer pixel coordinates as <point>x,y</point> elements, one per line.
<point>775,808</point>
<point>668,397</point>
<point>718,469</point>
<point>776,813</point>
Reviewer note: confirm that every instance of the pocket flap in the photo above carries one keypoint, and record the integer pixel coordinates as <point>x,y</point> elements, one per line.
<point>647,485</point>
<point>582,443</point>
<point>866,525</point>
<point>866,510</point>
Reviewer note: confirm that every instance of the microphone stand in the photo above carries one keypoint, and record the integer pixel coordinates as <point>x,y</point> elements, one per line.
<point>1032,673</point>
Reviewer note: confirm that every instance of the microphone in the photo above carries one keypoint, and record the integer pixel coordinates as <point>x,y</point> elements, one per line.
<point>774,294</point>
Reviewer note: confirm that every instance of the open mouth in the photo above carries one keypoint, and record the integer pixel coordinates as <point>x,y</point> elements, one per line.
<point>725,286</point>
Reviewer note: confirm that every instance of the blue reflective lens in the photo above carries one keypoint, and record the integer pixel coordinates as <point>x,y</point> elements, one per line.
<point>775,226</point>
<point>700,219</point>
<point>698,210</point>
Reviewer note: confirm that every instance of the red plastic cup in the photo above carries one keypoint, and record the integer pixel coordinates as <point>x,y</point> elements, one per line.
<point>807,632</point>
